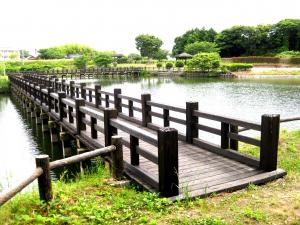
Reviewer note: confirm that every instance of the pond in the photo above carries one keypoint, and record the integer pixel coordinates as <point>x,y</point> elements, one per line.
<point>246,99</point>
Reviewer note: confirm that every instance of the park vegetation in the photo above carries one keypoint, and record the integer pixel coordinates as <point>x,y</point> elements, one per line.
<point>4,84</point>
<point>90,199</point>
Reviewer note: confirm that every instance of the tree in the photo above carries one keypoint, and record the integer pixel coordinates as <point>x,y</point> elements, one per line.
<point>60,52</point>
<point>103,59</point>
<point>24,53</point>
<point>161,54</point>
<point>191,36</point>
<point>201,46</point>
<point>148,45</point>
<point>205,62</point>
<point>81,62</point>
<point>288,31</point>
<point>237,41</point>
<point>135,57</point>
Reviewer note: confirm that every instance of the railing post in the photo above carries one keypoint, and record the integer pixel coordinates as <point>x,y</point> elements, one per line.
<point>83,90</point>
<point>94,133</point>
<point>109,131</point>
<point>50,90</point>
<point>130,108</point>
<point>166,118</point>
<point>134,156</point>
<point>72,89</point>
<point>224,135</point>
<point>63,85</point>
<point>234,144</point>
<point>79,115</point>
<point>168,161</point>
<point>106,101</point>
<point>191,121</point>
<point>269,141</point>
<point>117,100</point>
<point>117,158</point>
<point>44,181</point>
<point>61,106</point>
<point>146,109</point>
<point>97,96</point>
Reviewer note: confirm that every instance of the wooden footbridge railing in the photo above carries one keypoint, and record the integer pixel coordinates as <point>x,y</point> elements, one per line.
<point>155,155</point>
<point>89,73</point>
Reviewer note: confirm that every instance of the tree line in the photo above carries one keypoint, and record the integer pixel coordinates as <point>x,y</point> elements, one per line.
<point>260,40</point>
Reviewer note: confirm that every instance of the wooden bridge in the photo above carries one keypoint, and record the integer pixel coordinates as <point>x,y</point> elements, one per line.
<point>158,157</point>
<point>89,73</point>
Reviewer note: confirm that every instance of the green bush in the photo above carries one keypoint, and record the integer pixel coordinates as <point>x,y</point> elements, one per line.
<point>201,46</point>
<point>205,62</point>
<point>81,62</point>
<point>169,65</point>
<point>237,66</point>
<point>38,65</point>
<point>179,64</point>
<point>289,54</point>
<point>103,59</point>
<point>159,65</point>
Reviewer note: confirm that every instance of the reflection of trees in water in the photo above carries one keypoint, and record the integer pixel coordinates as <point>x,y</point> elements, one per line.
<point>3,102</point>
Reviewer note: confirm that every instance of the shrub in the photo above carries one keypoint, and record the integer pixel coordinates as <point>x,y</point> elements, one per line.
<point>287,54</point>
<point>169,65</point>
<point>237,66</point>
<point>122,60</point>
<point>81,62</point>
<point>179,64</point>
<point>205,62</point>
<point>159,65</point>
<point>103,59</point>
<point>201,46</point>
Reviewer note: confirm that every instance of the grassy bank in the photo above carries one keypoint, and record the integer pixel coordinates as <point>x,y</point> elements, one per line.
<point>91,200</point>
<point>4,84</point>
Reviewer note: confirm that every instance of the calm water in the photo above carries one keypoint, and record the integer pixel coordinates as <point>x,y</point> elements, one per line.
<point>246,99</point>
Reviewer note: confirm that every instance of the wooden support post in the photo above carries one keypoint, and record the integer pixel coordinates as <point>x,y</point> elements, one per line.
<point>130,108</point>
<point>109,131</point>
<point>38,115</point>
<point>79,115</point>
<point>63,85</point>
<point>117,158</point>
<point>166,118</point>
<point>83,90</point>
<point>270,125</point>
<point>146,109</point>
<point>134,156</point>
<point>66,144</point>
<point>97,96</point>
<point>44,181</point>
<point>191,122</point>
<point>72,89</point>
<point>224,135</point>
<point>54,131</point>
<point>117,100</point>
<point>56,84</point>
<point>49,98</point>
<point>61,105</point>
<point>168,161</point>
<point>234,144</point>
<point>70,111</point>
<point>106,101</point>
<point>94,133</point>
<point>44,118</point>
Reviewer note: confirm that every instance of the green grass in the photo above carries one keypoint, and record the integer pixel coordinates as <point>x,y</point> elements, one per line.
<point>92,200</point>
<point>4,84</point>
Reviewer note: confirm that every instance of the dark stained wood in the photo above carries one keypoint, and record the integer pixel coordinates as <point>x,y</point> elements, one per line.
<point>117,158</point>
<point>269,142</point>
<point>168,162</point>
<point>224,135</point>
<point>79,115</point>
<point>44,180</point>
<point>117,100</point>
<point>166,117</point>
<point>134,156</point>
<point>234,144</point>
<point>146,109</point>
<point>191,121</point>
<point>109,130</point>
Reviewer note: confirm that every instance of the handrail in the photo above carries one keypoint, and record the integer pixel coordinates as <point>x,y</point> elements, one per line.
<point>11,192</point>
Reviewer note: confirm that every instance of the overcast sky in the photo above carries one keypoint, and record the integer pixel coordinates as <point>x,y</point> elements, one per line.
<point>113,24</point>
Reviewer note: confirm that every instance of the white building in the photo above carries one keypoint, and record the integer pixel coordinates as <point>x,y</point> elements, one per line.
<point>7,53</point>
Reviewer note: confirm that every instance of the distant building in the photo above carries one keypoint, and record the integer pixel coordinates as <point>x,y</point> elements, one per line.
<point>7,53</point>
